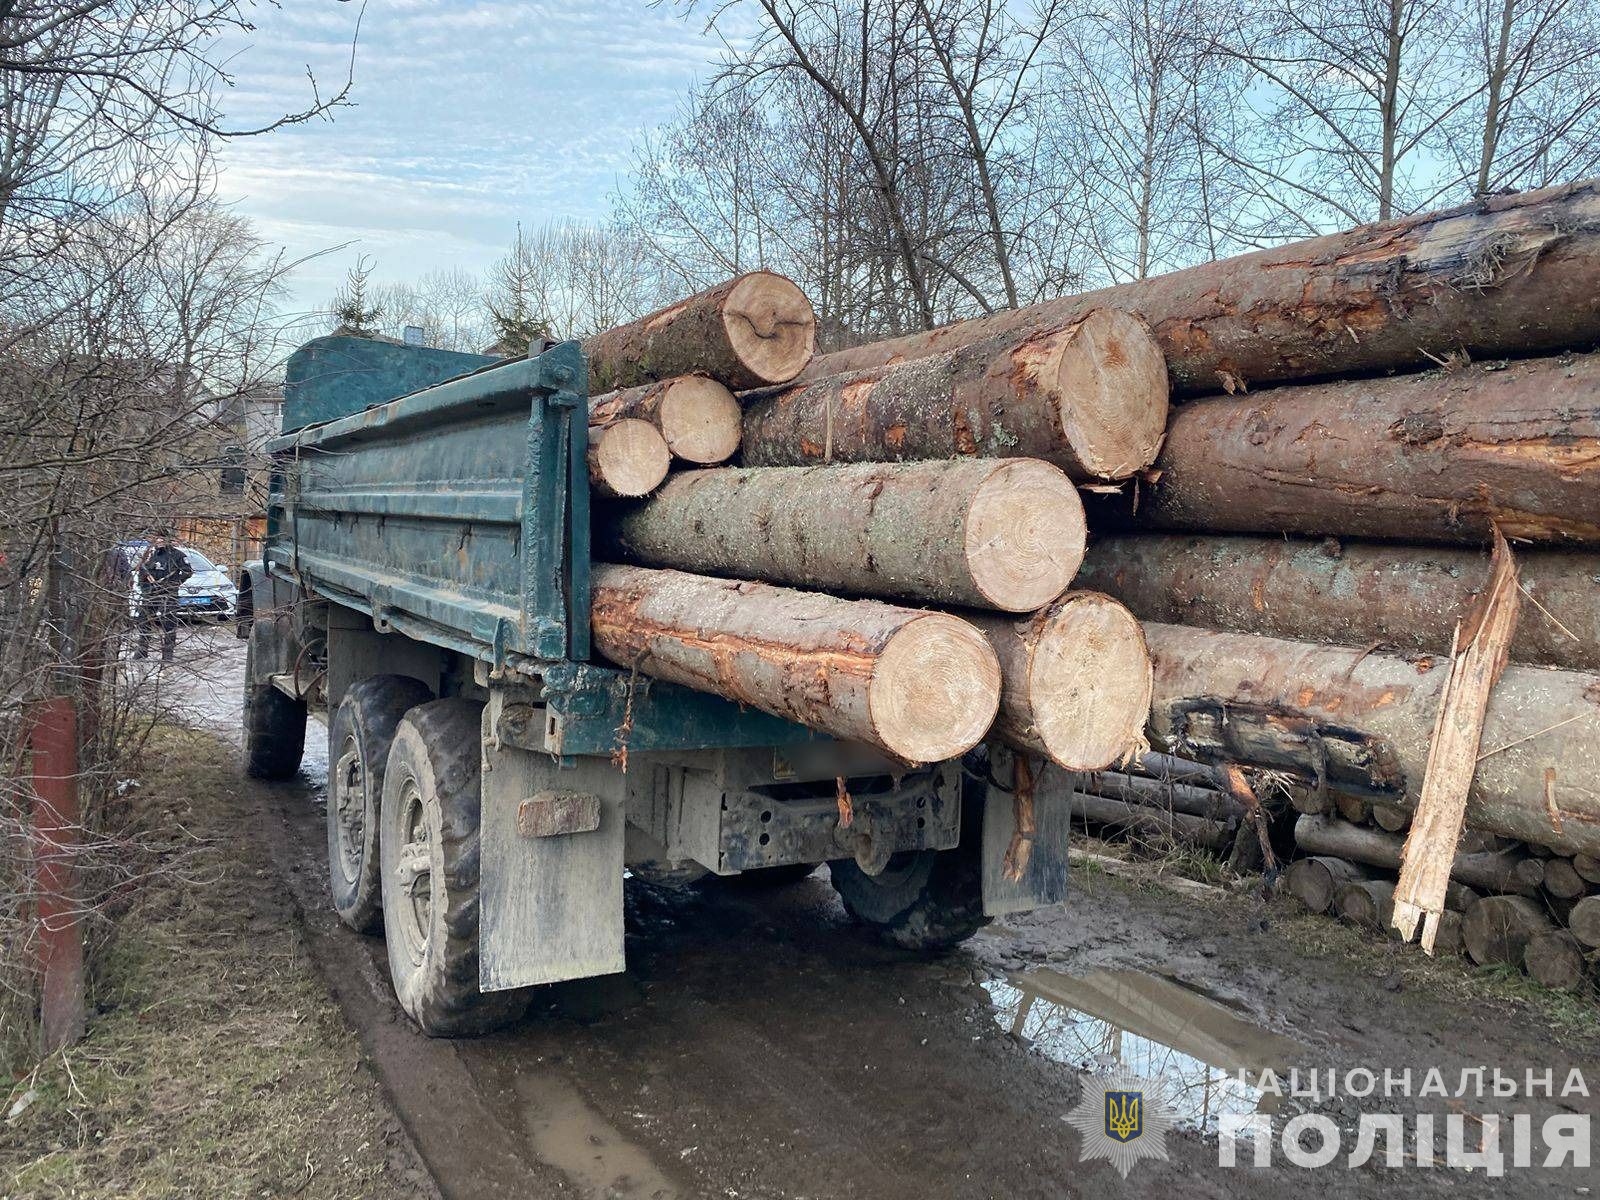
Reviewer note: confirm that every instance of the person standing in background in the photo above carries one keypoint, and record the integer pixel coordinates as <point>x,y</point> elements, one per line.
<point>161,572</point>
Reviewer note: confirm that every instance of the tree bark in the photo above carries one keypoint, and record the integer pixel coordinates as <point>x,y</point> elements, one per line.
<point>1075,680</point>
<point>1433,457</point>
<point>1351,593</point>
<point>1556,959</point>
<point>1508,275</point>
<point>921,686</point>
<point>1497,929</point>
<point>1488,871</point>
<point>990,534</point>
<point>748,332</point>
<point>1373,714</point>
<point>698,416</point>
<point>1088,395</point>
<point>1313,881</point>
<point>627,459</point>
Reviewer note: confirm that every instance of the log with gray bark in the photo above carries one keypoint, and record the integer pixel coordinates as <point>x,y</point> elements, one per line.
<point>1161,793</point>
<point>1075,680</point>
<point>1349,592</point>
<point>1292,697</point>
<point>921,686</point>
<point>1088,395</point>
<point>747,332</point>
<point>1507,275</point>
<point>1004,534</point>
<point>1563,881</point>
<point>699,418</point>
<point>1487,871</point>
<point>1119,816</point>
<point>1434,457</point>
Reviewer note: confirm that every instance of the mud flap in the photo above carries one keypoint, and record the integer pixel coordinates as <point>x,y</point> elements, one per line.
<point>1043,878</point>
<point>549,907</point>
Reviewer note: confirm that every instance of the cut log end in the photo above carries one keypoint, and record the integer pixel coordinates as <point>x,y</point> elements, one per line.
<point>1089,682</point>
<point>935,689</point>
<point>700,420</point>
<point>1025,535</point>
<point>1556,960</point>
<point>628,458</point>
<point>770,326</point>
<point>1112,384</point>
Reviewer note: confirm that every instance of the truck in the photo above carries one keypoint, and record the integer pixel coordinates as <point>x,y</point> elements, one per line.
<point>424,592</point>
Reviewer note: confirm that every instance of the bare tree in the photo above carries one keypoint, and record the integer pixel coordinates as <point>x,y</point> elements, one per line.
<point>1533,119</point>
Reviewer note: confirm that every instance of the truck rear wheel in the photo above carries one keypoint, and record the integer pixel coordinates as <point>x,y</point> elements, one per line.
<point>358,747</point>
<point>428,845</point>
<point>274,724</point>
<point>922,899</point>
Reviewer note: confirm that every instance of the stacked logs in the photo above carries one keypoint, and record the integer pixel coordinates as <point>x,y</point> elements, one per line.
<point>1358,415</point>
<point>1510,903</point>
<point>892,561</point>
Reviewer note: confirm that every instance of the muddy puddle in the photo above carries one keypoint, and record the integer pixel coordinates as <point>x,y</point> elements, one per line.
<point>1203,1053</point>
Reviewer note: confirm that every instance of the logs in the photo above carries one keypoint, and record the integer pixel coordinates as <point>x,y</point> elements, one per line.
<point>992,534</point>
<point>1075,680</point>
<point>1313,881</point>
<point>1353,593</point>
<point>698,416</point>
<point>1366,902</point>
<point>1497,929</point>
<point>627,458</point>
<point>748,332</point>
<point>1556,960</point>
<point>1432,457</point>
<point>1088,395</point>
<point>1388,704</point>
<point>1507,275</point>
<point>921,686</point>
<point>1149,823</point>
<point>1489,871</point>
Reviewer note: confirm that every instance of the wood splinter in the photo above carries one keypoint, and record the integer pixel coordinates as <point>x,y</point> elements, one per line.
<point>1482,647</point>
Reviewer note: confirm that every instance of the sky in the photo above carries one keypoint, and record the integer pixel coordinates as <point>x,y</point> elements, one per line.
<point>467,117</point>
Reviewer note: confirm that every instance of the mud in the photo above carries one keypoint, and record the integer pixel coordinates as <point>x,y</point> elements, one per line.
<point>760,1046</point>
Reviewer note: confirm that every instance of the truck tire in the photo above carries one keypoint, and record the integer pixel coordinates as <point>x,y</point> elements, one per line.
<point>922,899</point>
<point>274,725</point>
<point>358,749</point>
<point>428,845</point>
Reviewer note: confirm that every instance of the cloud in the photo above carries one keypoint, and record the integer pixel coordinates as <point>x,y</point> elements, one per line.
<point>467,116</point>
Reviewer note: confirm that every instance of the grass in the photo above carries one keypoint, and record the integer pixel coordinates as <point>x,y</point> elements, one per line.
<point>215,1064</point>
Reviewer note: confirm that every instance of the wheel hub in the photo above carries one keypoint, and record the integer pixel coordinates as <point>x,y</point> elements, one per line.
<point>350,810</point>
<point>413,873</point>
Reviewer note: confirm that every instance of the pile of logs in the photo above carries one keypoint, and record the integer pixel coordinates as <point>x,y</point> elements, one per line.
<point>900,554</point>
<point>1357,415</point>
<point>892,560</point>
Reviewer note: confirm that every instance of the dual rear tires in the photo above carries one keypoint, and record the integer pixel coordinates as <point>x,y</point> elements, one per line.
<point>403,808</point>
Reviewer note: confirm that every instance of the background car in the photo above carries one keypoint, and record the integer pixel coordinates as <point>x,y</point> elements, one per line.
<point>208,593</point>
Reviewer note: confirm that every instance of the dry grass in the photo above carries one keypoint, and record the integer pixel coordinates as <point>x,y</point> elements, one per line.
<point>216,1065</point>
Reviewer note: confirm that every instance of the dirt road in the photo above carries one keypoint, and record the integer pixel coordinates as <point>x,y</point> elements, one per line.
<point>759,1046</point>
